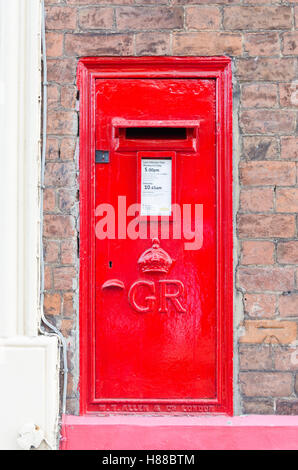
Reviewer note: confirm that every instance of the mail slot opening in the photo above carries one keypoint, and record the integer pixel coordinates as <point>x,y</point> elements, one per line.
<point>149,135</point>
<point>156,133</point>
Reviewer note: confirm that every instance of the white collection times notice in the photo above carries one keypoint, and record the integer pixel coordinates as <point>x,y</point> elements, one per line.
<point>156,186</point>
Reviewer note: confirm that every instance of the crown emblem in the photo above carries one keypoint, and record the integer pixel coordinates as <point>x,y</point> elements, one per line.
<point>155,259</point>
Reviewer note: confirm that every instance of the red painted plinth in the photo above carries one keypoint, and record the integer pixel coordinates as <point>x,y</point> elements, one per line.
<point>122,432</point>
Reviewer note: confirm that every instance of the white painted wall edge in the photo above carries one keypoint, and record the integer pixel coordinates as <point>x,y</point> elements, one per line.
<point>20,88</point>
<point>28,362</point>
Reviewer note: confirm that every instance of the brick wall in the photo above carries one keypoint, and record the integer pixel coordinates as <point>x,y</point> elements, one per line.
<point>261,38</point>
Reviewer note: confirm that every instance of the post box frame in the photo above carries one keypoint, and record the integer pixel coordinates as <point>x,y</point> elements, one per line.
<point>219,69</point>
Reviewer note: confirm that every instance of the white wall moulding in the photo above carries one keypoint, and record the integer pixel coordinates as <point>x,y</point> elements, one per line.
<point>19,165</point>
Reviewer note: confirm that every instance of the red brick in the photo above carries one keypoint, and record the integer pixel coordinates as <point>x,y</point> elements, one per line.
<point>60,17</point>
<point>51,252</point>
<point>264,121</point>
<point>266,226</point>
<point>256,252</point>
<point>290,41</point>
<point>98,44</point>
<point>156,17</point>
<point>48,278</point>
<point>67,148</point>
<point>266,69</point>
<point>203,17</point>
<point>66,199</point>
<point>58,226</point>
<point>68,307</point>
<point>255,357</point>
<point>288,93</point>
<point>70,384</point>
<point>152,43</point>
<point>289,148</point>
<point>68,252</point>
<point>151,2</point>
<point>62,122</point>
<point>52,149</point>
<point>269,332</point>
<point>259,147</point>
<point>71,364</point>
<point>259,407</point>
<point>54,44</point>
<point>288,305</point>
<point>254,17</point>
<point>207,43</point>
<point>190,2</point>
<point>266,384</point>
<point>286,358</point>
<point>287,252</point>
<point>49,200</point>
<point>287,407</point>
<point>259,95</point>
<point>60,174</point>
<point>260,2</point>
<point>70,357</point>
<point>262,44</point>
<point>67,327</point>
<point>287,200</point>
<point>68,97</point>
<point>256,199</point>
<point>62,70</point>
<point>72,403</point>
<point>266,279</point>
<point>96,18</point>
<point>103,2</point>
<point>267,173</point>
<point>260,305</point>
<point>64,278</point>
<point>53,96</point>
<point>52,304</point>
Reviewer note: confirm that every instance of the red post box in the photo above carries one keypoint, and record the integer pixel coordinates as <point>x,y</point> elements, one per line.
<point>156,235</point>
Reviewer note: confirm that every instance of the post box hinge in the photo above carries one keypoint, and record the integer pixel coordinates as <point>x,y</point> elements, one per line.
<point>102,156</point>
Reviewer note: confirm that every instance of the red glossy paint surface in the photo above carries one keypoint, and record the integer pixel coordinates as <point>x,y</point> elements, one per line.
<point>154,354</point>
<point>156,339</point>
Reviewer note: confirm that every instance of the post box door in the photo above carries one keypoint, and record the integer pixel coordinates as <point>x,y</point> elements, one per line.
<point>156,327</point>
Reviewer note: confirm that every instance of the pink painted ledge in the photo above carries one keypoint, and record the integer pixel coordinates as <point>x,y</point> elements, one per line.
<point>123,432</point>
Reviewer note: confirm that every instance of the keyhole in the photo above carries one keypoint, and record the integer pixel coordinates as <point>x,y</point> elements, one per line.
<point>110,264</point>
